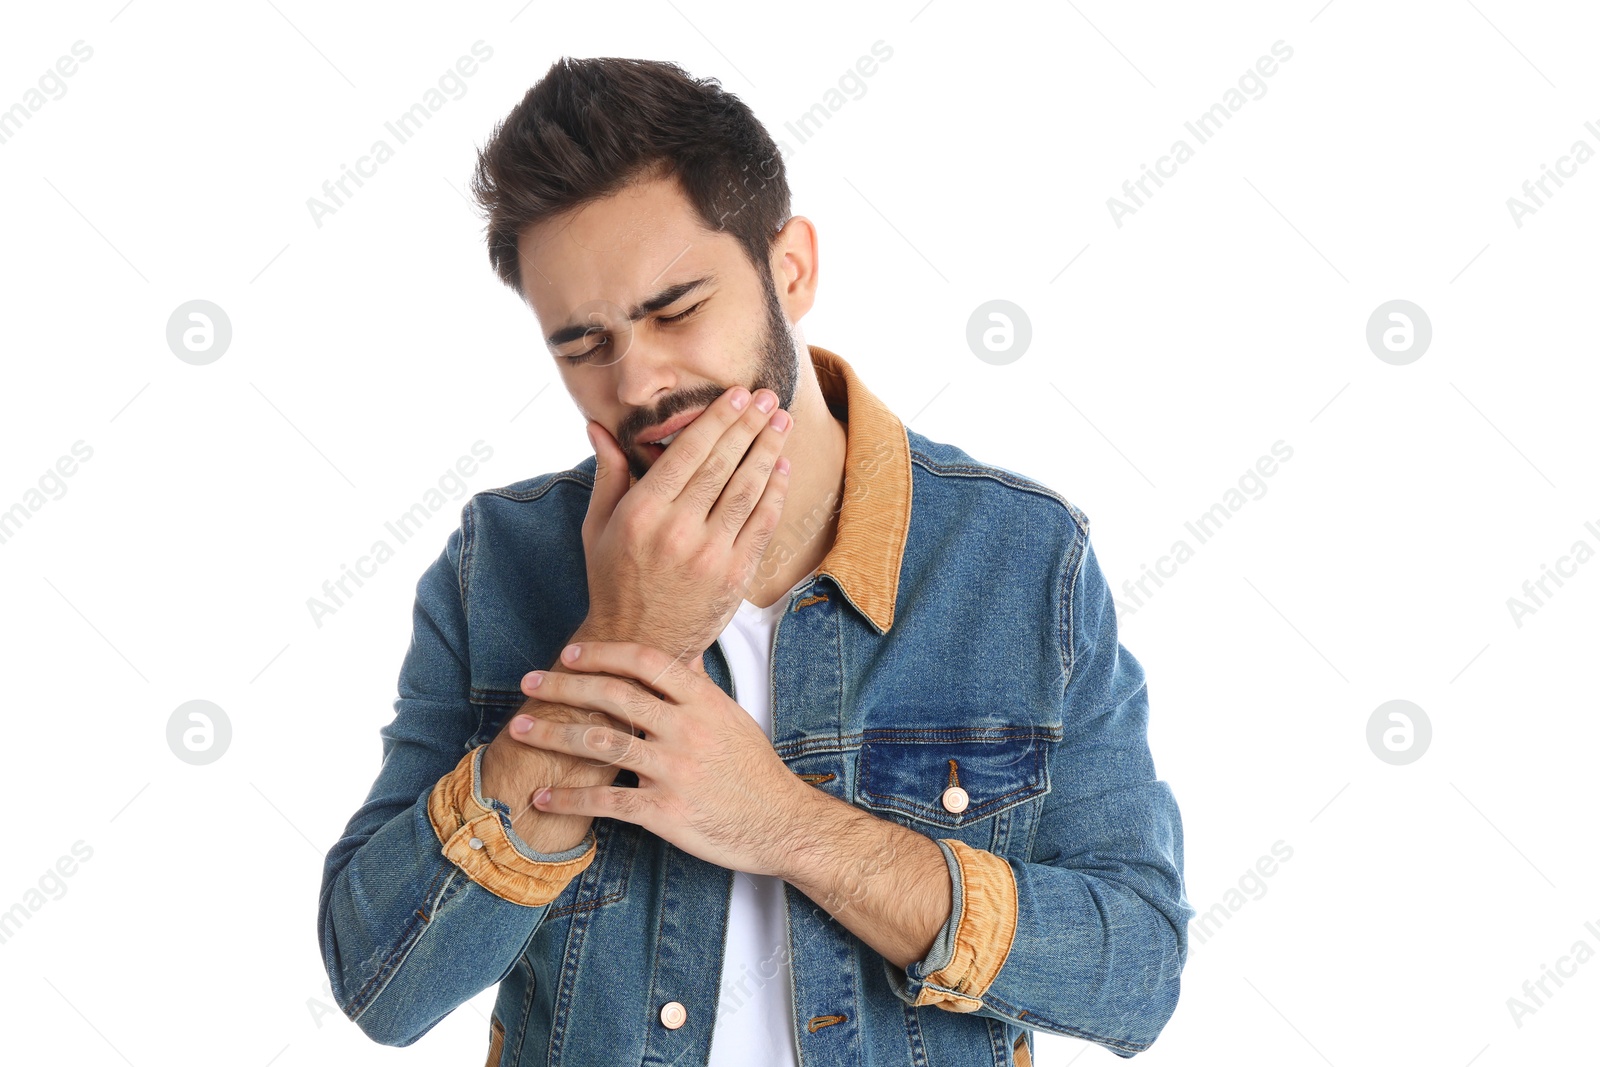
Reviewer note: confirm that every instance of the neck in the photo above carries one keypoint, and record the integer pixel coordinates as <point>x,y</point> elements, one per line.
<point>810,517</point>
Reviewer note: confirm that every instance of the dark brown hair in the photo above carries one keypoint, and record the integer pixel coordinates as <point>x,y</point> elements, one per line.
<point>590,127</point>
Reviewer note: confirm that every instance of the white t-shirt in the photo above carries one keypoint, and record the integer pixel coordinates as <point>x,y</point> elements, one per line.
<point>754,1021</point>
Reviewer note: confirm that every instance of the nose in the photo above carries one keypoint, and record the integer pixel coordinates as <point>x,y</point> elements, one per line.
<point>644,374</point>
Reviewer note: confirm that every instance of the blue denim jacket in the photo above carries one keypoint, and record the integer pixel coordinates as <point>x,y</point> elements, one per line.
<point>960,615</point>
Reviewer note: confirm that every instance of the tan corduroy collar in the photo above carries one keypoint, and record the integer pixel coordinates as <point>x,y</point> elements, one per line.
<point>875,514</point>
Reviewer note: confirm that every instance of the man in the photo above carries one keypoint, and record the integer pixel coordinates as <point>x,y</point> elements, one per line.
<point>844,763</point>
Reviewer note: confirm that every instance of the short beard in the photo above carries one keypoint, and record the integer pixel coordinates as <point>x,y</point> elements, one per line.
<point>777,366</point>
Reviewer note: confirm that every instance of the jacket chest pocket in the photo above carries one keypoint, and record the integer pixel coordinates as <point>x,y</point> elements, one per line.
<point>982,786</point>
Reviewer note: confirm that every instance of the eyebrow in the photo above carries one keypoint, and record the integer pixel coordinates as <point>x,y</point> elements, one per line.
<point>665,298</point>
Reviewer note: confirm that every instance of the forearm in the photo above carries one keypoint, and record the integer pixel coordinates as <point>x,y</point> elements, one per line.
<point>887,884</point>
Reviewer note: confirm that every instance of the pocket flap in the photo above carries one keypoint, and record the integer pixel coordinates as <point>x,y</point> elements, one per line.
<point>911,775</point>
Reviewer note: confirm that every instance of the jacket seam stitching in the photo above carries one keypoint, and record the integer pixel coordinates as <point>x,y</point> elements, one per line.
<point>464,563</point>
<point>847,742</point>
<point>1072,572</point>
<point>1050,1026</point>
<point>364,998</point>
<point>587,905</point>
<point>542,484</point>
<point>996,474</point>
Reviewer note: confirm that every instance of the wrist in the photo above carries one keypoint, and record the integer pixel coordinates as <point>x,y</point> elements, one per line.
<point>512,776</point>
<point>804,844</point>
<point>512,772</point>
<point>594,629</point>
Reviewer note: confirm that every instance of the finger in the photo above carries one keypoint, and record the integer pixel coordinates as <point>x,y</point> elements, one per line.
<point>611,801</point>
<point>611,479</point>
<point>744,489</point>
<point>709,482</point>
<point>556,711</point>
<point>666,674</point>
<point>620,700</point>
<point>673,468</point>
<point>608,746</point>
<point>751,544</point>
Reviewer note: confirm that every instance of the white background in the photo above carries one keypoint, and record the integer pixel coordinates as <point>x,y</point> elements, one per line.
<point>1227,314</point>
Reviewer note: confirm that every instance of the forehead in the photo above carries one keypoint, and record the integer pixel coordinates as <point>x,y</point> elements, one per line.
<point>619,249</point>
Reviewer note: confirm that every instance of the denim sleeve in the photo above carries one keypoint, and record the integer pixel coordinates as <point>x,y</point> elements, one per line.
<point>1100,931</point>
<point>406,935</point>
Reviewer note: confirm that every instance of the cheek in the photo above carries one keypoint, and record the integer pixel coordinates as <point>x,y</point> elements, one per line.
<point>589,401</point>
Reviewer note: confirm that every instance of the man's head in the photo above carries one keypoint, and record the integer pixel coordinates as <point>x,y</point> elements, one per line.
<point>643,216</point>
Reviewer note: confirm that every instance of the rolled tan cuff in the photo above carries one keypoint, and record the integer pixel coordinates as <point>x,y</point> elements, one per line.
<point>475,838</point>
<point>984,931</point>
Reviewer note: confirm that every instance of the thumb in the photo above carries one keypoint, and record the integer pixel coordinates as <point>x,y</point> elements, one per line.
<point>611,473</point>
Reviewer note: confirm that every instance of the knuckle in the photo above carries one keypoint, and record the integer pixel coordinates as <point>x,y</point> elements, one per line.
<point>627,521</point>
<point>622,801</point>
<point>694,492</point>
<point>739,505</point>
<point>616,693</point>
<point>671,469</point>
<point>653,658</point>
<point>706,561</point>
<point>636,702</point>
<point>717,463</point>
<point>678,535</point>
<point>676,671</point>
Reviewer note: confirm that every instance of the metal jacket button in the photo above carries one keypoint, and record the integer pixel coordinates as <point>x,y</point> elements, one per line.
<point>955,799</point>
<point>673,1015</point>
<point>475,843</point>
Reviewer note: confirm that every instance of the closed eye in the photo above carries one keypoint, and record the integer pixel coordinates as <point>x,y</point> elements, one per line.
<point>603,341</point>
<point>680,316</point>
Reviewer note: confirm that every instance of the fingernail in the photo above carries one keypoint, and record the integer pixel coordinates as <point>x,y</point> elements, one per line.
<point>780,421</point>
<point>570,653</point>
<point>542,796</point>
<point>521,724</point>
<point>766,401</point>
<point>532,679</point>
<point>741,397</point>
<point>589,432</point>
<point>782,466</point>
